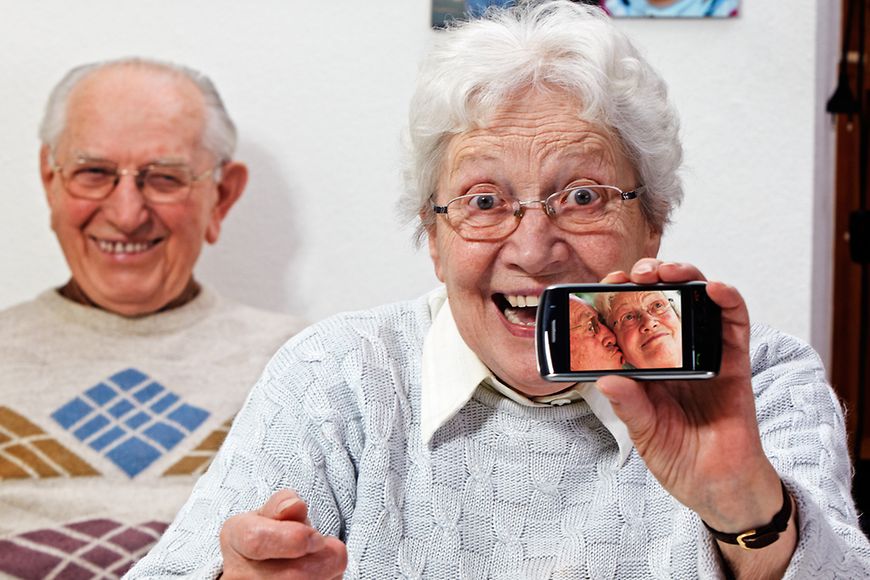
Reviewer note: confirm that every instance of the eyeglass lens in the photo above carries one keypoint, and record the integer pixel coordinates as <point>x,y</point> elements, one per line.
<point>96,180</point>
<point>655,308</point>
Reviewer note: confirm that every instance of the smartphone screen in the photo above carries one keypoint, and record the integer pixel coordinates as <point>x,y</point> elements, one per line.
<point>649,332</point>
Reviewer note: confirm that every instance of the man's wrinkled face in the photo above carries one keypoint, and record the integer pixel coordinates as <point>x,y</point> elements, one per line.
<point>593,345</point>
<point>532,146</point>
<point>647,329</point>
<point>128,255</point>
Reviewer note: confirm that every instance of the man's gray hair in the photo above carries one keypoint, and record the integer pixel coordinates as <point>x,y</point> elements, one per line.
<point>478,65</point>
<point>219,134</point>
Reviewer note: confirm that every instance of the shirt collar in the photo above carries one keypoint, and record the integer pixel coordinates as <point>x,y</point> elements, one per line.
<point>452,372</point>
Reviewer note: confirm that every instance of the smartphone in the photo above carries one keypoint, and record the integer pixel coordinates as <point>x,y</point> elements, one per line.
<point>646,332</point>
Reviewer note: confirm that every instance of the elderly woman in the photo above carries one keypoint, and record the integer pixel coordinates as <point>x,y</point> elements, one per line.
<point>418,439</point>
<point>647,327</point>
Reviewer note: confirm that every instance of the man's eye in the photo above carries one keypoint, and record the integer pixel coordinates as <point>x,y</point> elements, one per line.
<point>628,317</point>
<point>94,171</point>
<point>162,180</point>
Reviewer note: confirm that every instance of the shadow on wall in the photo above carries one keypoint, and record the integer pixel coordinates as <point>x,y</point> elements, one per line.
<point>255,258</point>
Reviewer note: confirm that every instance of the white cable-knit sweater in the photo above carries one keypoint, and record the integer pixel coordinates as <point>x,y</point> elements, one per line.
<point>503,490</point>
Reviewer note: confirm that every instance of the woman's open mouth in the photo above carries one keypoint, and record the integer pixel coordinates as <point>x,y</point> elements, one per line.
<point>517,308</point>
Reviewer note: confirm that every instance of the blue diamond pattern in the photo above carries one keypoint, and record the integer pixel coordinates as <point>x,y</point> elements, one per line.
<point>137,420</point>
<point>106,438</point>
<point>167,436</point>
<point>130,418</point>
<point>133,455</point>
<point>72,413</point>
<point>149,392</point>
<point>101,394</point>
<point>91,427</point>
<point>121,408</point>
<point>189,417</point>
<point>129,378</point>
<point>167,401</point>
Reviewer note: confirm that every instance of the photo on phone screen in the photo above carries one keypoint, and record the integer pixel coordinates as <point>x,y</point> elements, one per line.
<point>659,331</point>
<point>625,330</point>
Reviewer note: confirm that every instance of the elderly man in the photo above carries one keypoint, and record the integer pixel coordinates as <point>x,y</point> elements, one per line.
<point>593,345</point>
<point>117,388</point>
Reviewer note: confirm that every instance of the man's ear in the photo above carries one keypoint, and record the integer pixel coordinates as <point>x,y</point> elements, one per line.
<point>46,171</point>
<point>234,177</point>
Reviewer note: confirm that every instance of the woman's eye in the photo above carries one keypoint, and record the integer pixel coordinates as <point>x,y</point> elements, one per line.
<point>582,196</point>
<point>483,201</point>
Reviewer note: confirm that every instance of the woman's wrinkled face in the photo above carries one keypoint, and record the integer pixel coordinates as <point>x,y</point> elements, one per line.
<point>532,146</point>
<point>647,329</point>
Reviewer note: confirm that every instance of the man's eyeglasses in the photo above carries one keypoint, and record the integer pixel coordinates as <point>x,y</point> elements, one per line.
<point>655,308</point>
<point>591,327</point>
<point>577,209</point>
<point>158,182</point>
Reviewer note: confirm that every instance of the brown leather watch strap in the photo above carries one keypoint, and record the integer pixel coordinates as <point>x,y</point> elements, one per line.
<point>763,536</point>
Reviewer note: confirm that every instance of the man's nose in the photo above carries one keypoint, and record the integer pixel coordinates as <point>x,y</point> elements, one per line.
<point>126,206</point>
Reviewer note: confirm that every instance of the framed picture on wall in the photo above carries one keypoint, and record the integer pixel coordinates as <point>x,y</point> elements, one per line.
<point>443,11</point>
<point>671,8</point>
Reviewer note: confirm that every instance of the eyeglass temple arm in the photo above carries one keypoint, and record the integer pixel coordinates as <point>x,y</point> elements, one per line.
<point>626,195</point>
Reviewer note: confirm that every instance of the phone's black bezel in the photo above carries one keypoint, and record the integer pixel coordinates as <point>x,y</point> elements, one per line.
<point>702,334</point>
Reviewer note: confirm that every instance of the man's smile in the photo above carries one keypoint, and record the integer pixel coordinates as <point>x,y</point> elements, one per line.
<point>120,247</point>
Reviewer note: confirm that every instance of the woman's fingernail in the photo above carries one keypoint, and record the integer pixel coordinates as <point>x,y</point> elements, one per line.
<point>316,542</point>
<point>644,268</point>
<point>287,504</point>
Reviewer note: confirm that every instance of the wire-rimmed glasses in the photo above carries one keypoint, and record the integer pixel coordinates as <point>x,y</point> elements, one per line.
<point>486,215</point>
<point>654,307</point>
<point>96,179</point>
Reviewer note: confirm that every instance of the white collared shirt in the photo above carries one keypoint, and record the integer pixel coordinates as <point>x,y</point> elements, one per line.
<point>452,372</point>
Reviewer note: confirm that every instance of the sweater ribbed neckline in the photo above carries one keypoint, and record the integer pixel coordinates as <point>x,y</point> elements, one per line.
<point>185,316</point>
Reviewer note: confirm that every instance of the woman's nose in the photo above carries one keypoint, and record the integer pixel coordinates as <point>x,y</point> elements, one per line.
<point>534,246</point>
<point>648,321</point>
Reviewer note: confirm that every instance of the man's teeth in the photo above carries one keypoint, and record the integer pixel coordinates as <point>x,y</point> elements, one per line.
<point>124,248</point>
<point>518,301</point>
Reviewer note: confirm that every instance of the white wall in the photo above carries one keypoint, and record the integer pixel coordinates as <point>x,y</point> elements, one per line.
<point>319,91</point>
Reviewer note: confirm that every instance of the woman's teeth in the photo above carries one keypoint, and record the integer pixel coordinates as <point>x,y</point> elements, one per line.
<point>522,310</point>
<point>521,301</point>
<point>513,317</point>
